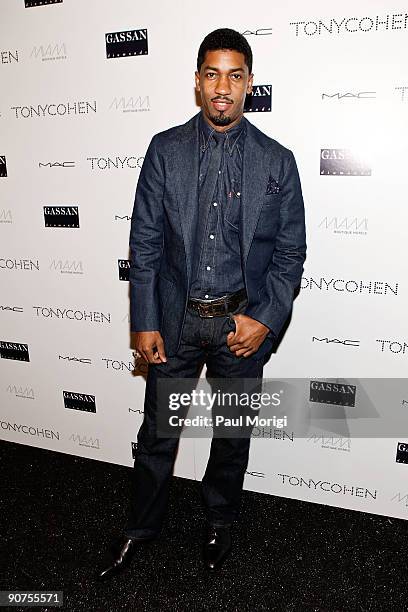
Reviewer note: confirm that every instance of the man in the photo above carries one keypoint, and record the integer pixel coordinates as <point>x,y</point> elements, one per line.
<point>217,249</point>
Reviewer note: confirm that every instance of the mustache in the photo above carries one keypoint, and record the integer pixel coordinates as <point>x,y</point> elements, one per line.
<point>220,99</point>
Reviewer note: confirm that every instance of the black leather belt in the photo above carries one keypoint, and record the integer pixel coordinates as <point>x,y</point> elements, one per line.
<point>217,307</point>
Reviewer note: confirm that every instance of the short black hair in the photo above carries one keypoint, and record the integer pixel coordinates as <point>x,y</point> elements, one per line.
<point>225,38</point>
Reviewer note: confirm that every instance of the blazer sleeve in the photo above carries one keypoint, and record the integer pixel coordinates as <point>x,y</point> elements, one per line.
<point>285,271</point>
<point>146,243</point>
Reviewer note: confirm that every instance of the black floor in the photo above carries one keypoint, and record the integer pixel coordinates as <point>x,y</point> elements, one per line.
<point>59,512</point>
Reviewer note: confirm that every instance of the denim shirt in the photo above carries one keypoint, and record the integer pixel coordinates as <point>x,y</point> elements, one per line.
<point>219,269</point>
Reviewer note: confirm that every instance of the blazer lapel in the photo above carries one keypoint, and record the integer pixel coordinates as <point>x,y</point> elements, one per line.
<point>255,173</point>
<point>186,171</point>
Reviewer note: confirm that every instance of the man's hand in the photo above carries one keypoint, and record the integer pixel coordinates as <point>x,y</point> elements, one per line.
<point>146,341</point>
<point>248,336</point>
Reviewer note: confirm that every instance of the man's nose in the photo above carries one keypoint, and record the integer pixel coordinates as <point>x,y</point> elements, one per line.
<point>222,85</point>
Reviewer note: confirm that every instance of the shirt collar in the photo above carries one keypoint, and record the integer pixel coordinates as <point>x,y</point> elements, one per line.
<point>233,135</point>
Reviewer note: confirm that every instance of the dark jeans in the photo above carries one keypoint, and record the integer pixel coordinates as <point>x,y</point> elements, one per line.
<point>203,341</point>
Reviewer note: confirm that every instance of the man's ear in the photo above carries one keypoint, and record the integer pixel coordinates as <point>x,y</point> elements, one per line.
<point>250,81</point>
<point>197,80</point>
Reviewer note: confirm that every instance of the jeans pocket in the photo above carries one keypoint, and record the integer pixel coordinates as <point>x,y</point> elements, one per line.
<point>231,322</point>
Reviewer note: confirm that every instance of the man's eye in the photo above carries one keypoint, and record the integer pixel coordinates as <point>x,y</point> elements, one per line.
<point>237,76</point>
<point>210,74</point>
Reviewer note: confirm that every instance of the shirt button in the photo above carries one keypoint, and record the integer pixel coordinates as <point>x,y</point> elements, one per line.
<point>238,193</point>
<point>215,203</point>
<point>206,295</point>
<point>212,236</point>
<point>219,171</point>
<point>208,267</point>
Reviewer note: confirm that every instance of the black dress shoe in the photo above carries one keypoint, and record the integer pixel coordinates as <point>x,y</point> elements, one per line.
<point>119,557</point>
<point>217,544</point>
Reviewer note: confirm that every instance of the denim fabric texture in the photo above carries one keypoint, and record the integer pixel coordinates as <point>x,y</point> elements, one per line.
<point>218,253</point>
<point>204,340</point>
<point>271,236</point>
<point>259,222</point>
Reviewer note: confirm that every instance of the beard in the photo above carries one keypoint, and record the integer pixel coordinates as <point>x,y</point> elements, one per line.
<point>221,119</point>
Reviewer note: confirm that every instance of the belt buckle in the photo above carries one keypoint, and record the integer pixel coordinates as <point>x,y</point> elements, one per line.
<point>203,310</point>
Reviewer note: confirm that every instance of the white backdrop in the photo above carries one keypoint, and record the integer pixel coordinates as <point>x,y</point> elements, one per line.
<point>75,125</point>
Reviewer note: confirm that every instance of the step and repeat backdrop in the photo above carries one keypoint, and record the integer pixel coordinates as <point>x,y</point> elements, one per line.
<point>84,86</point>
